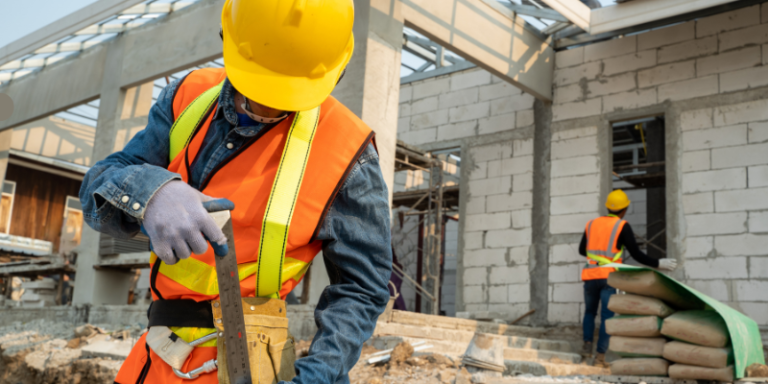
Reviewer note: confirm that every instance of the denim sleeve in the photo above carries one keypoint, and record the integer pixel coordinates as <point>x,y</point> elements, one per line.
<point>116,190</point>
<point>357,252</point>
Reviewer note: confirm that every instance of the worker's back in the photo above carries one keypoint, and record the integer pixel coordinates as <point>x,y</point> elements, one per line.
<point>602,246</point>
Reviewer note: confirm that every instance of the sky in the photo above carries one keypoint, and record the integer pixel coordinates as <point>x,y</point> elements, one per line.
<point>21,17</point>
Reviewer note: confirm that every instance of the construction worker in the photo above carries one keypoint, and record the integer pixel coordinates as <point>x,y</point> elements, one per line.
<point>304,177</point>
<point>604,241</point>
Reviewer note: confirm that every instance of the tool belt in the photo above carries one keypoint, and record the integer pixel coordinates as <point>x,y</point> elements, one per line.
<point>271,348</point>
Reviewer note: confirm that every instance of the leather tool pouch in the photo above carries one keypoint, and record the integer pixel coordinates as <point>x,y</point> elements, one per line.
<point>270,345</point>
<point>170,347</point>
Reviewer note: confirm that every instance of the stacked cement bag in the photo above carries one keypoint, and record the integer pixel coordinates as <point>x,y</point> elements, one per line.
<point>659,331</point>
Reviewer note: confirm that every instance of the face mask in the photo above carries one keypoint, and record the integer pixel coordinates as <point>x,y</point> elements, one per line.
<point>264,120</point>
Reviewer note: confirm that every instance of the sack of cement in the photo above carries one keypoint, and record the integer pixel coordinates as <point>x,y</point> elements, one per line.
<point>637,346</point>
<point>690,354</point>
<point>634,326</point>
<point>639,305</point>
<point>690,372</point>
<point>648,283</point>
<point>640,367</point>
<point>705,328</point>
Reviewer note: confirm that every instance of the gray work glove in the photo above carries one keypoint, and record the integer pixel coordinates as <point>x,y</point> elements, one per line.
<point>667,264</point>
<point>177,224</point>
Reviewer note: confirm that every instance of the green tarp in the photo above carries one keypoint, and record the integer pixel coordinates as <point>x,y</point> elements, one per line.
<point>745,335</point>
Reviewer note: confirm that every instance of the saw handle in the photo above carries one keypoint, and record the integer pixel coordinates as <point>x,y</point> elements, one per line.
<point>218,205</point>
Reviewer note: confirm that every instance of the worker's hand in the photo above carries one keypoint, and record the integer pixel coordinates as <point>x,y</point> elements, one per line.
<point>667,264</point>
<point>177,223</point>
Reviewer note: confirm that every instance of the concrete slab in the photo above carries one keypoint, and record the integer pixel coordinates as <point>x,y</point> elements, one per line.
<point>102,346</point>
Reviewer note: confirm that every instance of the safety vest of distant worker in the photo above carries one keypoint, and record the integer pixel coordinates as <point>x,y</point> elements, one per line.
<point>602,237</point>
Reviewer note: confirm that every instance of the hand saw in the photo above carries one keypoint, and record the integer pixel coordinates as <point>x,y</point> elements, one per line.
<point>234,339</point>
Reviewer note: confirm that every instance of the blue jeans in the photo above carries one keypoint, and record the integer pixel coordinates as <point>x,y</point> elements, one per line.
<point>597,292</point>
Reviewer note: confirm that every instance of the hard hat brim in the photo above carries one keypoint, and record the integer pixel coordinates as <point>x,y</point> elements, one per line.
<point>278,90</point>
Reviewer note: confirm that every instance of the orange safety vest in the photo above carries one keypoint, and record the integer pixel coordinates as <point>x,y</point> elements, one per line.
<point>602,237</point>
<point>246,178</point>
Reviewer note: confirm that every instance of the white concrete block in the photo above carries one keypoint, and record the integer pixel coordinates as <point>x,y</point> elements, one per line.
<point>456,130</point>
<point>610,48</point>
<point>569,273</point>
<point>744,79</point>
<point>476,204</point>
<point>756,311</point>
<point>521,219</point>
<point>462,97</point>
<point>490,152</point>
<point>491,186</point>
<point>570,93</point>
<point>429,119</point>
<point>758,267</point>
<point>758,132</point>
<point>575,185</point>
<point>716,223</point>
<point>696,119</point>
<point>473,240</point>
<point>742,200</point>
<point>667,73</point>
<point>524,118</point>
<point>563,313</point>
<point>469,112</point>
<point>513,166</point>
<point>431,87</point>
<point>569,57</point>
<point>747,244</point>
<point>575,74</point>
<point>574,133</point>
<point>403,124</point>
<point>574,166</point>
<point>729,61</point>
<point>688,50</point>
<point>758,176</point>
<point>574,147</point>
<point>421,136</point>
<point>487,221</point>
<point>578,109</point>
<point>696,161</point>
<point>630,62</point>
<point>741,113</point>
<point>753,154</point>
<point>689,89</point>
<point>472,78</point>
<point>758,222</point>
<point>522,182</point>
<point>406,93</point>
<point>474,294</point>
<point>522,147</point>
<point>511,104</point>
<point>479,171</point>
<point>475,276</point>
<point>698,247</point>
<point>508,238</point>
<point>509,202</point>
<point>570,223</point>
<point>519,293</point>
<point>717,268</point>
<point>568,293</point>
<point>734,178</point>
<point>509,275</point>
<point>404,110</point>
<point>498,90</point>
<point>519,255</point>
<point>497,294</point>
<point>495,124</point>
<point>717,289</point>
<point>485,258</point>
<point>611,85</point>
<point>715,137</point>
<point>564,205</point>
<point>698,203</point>
<point>564,253</point>
<point>428,104</point>
<point>727,21</point>
<point>666,36</point>
<point>630,100</point>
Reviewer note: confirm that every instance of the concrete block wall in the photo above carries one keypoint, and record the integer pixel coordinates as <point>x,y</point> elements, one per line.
<point>725,203</point>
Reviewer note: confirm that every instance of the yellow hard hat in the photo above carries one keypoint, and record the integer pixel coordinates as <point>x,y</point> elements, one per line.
<point>287,55</point>
<point>617,200</point>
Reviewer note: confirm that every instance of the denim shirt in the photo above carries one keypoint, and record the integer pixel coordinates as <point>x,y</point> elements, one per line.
<point>355,233</point>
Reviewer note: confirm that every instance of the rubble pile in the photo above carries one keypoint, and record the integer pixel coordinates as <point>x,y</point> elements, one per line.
<point>405,366</point>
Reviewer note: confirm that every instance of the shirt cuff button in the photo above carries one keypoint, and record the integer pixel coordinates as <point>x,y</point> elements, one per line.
<point>125,199</point>
<point>136,206</point>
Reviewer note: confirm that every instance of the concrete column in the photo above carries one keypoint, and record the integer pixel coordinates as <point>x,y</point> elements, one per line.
<point>103,286</point>
<point>371,86</point>
<point>538,259</point>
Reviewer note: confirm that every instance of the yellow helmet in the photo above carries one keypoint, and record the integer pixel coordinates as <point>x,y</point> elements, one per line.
<point>617,200</point>
<point>287,55</point>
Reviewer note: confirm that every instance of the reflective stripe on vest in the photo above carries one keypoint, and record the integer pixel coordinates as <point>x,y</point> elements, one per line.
<point>200,277</point>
